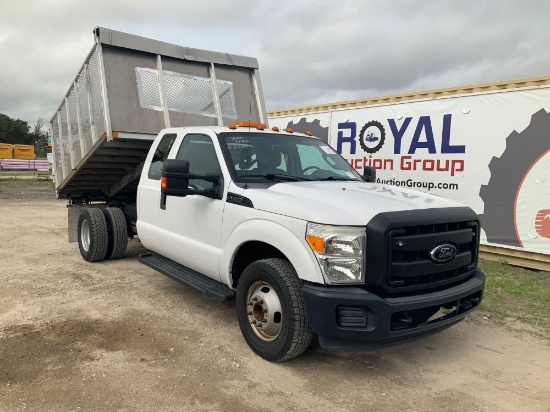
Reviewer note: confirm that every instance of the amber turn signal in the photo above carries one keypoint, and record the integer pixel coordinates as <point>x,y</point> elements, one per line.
<point>317,243</point>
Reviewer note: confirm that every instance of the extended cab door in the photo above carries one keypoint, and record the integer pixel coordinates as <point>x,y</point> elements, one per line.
<point>149,191</point>
<point>190,227</point>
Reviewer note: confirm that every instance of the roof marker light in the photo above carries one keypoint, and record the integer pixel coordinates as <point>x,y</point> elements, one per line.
<point>256,125</point>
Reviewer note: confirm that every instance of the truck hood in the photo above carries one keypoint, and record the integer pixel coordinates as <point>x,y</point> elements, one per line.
<point>340,203</point>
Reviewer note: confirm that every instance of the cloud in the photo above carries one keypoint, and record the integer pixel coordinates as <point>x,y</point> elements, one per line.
<point>43,43</point>
<point>380,48</point>
<point>310,52</point>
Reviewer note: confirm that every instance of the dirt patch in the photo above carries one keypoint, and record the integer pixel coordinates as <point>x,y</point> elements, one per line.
<point>117,335</point>
<point>26,189</point>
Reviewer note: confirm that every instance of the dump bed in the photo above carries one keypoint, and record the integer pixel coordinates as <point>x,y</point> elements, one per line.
<point>127,90</point>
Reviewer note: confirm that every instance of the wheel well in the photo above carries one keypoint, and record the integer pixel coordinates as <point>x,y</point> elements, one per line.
<point>251,252</point>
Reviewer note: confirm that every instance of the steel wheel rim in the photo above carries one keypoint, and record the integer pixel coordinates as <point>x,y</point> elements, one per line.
<point>85,235</point>
<point>264,312</point>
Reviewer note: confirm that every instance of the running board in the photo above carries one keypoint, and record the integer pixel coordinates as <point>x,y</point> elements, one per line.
<point>207,286</point>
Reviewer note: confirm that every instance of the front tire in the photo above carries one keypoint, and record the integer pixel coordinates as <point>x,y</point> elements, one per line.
<point>92,234</point>
<point>271,310</point>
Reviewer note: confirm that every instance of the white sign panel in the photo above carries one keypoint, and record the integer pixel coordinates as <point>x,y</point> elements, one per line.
<point>490,151</point>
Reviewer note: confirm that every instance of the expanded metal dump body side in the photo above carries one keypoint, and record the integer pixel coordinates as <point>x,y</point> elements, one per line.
<point>127,90</point>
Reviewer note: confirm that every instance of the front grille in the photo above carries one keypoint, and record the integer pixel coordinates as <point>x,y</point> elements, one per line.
<point>410,248</point>
<point>398,261</point>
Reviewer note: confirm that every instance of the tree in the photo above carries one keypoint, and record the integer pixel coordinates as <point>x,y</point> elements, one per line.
<point>14,131</point>
<point>40,138</point>
<point>17,131</point>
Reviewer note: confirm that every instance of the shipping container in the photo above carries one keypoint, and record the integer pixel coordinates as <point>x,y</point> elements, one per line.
<point>6,151</point>
<point>23,151</point>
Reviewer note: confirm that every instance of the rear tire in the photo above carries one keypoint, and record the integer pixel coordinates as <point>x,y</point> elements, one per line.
<point>117,232</point>
<point>271,310</point>
<point>92,234</point>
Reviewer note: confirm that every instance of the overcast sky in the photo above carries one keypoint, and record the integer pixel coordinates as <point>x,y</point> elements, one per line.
<point>309,51</point>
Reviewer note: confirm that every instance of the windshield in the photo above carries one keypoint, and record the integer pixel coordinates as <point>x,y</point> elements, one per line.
<point>259,157</point>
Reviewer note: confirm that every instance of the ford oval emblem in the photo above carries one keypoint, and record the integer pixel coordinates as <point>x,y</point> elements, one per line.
<point>443,253</point>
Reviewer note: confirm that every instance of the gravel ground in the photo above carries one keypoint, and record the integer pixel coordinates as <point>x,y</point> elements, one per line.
<point>116,335</point>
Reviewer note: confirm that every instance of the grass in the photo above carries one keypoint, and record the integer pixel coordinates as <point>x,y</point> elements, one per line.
<point>33,180</point>
<point>15,173</point>
<point>517,294</point>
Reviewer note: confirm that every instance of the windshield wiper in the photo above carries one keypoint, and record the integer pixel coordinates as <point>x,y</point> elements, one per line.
<point>272,176</point>
<point>338,178</point>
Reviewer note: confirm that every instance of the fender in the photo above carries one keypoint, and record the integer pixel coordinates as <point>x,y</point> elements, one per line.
<point>293,247</point>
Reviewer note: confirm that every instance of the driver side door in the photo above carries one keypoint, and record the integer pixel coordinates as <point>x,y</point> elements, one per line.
<point>190,226</point>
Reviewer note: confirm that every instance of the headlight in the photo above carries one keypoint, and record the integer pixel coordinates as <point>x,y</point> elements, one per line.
<point>339,250</point>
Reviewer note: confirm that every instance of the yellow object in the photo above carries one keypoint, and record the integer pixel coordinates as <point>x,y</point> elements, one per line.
<point>317,243</point>
<point>6,151</point>
<point>259,126</point>
<point>23,151</point>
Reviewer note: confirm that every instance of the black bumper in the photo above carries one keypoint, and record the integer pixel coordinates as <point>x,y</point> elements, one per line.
<point>353,319</point>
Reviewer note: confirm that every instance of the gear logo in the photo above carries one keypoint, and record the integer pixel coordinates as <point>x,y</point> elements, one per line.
<point>542,223</point>
<point>372,136</point>
<point>523,152</point>
<point>314,127</point>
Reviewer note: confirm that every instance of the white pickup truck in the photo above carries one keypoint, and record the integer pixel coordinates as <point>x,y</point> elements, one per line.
<point>281,222</point>
<point>274,219</point>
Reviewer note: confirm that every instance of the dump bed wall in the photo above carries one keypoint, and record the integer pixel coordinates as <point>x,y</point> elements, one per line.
<point>125,110</point>
<point>127,90</point>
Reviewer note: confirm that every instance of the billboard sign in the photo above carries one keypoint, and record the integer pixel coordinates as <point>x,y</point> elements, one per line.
<point>490,151</point>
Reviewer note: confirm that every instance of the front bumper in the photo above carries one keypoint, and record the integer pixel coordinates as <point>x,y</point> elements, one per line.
<point>353,319</point>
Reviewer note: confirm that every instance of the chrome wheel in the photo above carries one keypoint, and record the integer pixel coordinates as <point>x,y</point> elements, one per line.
<point>271,310</point>
<point>85,235</point>
<point>263,308</point>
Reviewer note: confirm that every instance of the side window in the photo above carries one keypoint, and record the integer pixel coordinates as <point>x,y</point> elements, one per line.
<point>161,153</point>
<point>199,151</point>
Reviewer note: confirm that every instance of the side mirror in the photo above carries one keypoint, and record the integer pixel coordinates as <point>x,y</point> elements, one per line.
<point>369,174</point>
<point>175,178</point>
<point>175,181</point>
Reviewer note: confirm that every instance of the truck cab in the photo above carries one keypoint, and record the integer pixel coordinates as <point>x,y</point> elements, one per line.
<point>282,223</point>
